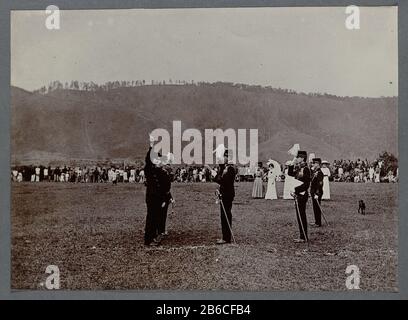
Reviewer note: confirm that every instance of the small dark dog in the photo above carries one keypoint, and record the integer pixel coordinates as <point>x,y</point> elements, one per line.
<point>361,207</point>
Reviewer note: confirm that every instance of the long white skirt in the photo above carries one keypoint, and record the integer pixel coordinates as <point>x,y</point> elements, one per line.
<point>271,190</point>
<point>288,187</point>
<point>326,188</point>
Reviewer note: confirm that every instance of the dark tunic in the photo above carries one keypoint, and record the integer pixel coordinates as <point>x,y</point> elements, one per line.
<point>316,189</point>
<point>165,197</point>
<point>153,199</point>
<point>226,178</point>
<point>301,173</point>
<point>316,184</point>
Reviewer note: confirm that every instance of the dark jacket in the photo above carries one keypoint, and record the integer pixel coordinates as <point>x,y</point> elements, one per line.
<point>164,185</point>
<point>316,185</point>
<point>158,182</point>
<point>301,173</point>
<point>225,178</point>
<point>152,174</point>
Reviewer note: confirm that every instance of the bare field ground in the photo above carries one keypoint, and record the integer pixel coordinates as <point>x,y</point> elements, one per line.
<point>94,234</point>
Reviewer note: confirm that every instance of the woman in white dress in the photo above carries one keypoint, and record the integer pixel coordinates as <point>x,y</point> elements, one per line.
<point>132,177</point>
<point>371,174</point>
<point>141,176</point>
<point>377,175</point>
<point>326,187</point>
<point>15,174</point>
<point>272,174</point>
<point>257,191</point>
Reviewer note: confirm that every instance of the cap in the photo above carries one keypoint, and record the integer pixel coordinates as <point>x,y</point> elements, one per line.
<point>302,154</point>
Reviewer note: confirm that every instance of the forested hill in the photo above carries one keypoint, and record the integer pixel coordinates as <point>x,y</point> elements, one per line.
<point>114,123</point>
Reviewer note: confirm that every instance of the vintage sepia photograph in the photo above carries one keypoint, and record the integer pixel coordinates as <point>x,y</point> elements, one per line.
<point>205,149</point>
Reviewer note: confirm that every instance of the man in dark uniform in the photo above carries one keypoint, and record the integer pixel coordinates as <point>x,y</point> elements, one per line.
<point>225,178</point>
<point>316,191</point>
<point>153,198</point>
<point>300,171</point>
<point>165,178</point>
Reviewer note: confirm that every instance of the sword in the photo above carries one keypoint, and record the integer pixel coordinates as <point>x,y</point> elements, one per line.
<point>219,197</point>
<point>300,220</point>
<point>323,215</point>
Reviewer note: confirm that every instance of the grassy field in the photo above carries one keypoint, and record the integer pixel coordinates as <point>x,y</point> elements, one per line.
<point>94,234</point>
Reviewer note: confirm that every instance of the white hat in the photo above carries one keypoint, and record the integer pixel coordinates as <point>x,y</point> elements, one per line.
<point>276,166</point>
<point>325,162</point>
<point>219,152</point>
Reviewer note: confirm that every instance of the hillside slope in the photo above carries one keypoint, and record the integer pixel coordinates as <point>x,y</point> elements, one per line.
<point>114,124</point>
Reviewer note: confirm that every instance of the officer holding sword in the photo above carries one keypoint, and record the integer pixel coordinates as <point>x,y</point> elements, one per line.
<point>300,171</point>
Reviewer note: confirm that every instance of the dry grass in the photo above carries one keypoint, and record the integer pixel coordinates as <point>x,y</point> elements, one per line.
<point>94,234</point>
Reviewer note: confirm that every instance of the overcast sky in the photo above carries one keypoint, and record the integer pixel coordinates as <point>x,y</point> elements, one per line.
<point>305,49</point>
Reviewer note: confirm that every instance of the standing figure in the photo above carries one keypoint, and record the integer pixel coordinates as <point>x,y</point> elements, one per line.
<point>165,178</point>
<point>125,175</point>
<point>32,173</point>
<point>152,172</point>
<point>225,178</point>
<point>326,185</point>
<point>50,173</point>
<point>316,191</point>
<point>132,175</point>
<point>371,174</point>
<point>300,171</point>
<point>257,189</point>
<point>273,172</point>
<point>114,176</point>
<point>15,174</point>
<point>142,176</point>
<point>45,174</point>
<point>57,173</point>
<point>37,174</point>
<point>340,173</point>
<point>377,174</point>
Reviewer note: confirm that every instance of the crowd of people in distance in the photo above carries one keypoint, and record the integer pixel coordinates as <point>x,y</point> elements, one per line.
<point>338,171</point>
<point>98,174</point>
<point>77,174</point>
<point>363,171</point>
